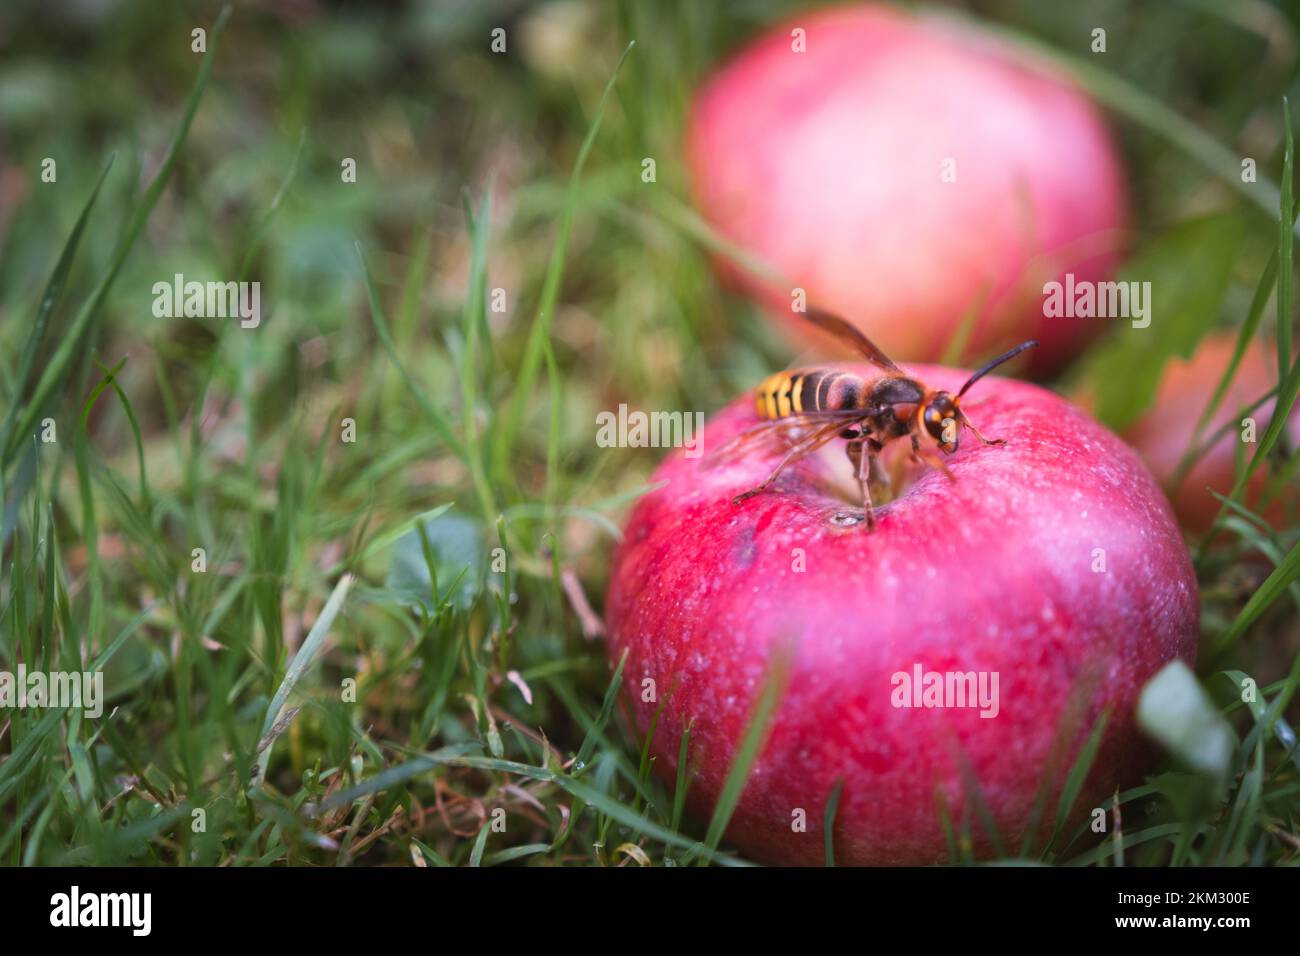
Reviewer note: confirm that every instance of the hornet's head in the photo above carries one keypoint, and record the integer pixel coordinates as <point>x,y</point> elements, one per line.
<point>942,420</point>
<point>941,415</point>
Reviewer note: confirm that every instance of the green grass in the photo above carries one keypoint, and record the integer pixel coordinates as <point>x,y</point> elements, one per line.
<point>360,676</point>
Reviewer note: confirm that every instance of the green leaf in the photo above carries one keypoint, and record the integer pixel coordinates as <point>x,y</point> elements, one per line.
<point>1177,712</point>
<point>1188,271</point>
<point>455,554</point>
<point>381,541</point>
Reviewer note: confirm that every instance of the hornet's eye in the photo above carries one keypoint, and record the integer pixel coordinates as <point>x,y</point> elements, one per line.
<point>934,419</point>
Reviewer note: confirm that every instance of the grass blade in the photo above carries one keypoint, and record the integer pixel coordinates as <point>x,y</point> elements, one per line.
<point>70,347</point>
<point>476,855</point>
<point>436,418</point>
<point>541,329</point>
<point>1289,377</point>
<point>606,708</point>
<point>306,655</point>
<point>1285,245</point>
<point>683,778</point>
<point>53,289</point>
<point>1074,780</point>
<point>769,696</point>
<point>828,820</point>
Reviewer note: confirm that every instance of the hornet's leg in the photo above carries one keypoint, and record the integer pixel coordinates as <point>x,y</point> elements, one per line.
<point>865,467</point>
<point>988,441</point>
<point>935,461</point>
<point>804,445</point>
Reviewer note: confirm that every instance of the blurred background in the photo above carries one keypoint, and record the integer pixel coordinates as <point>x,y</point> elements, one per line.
<point>412,92</point>
<point>454,144</point>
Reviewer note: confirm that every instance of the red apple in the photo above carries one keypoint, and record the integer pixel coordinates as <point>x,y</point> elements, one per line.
<point>1052,561</point>
<point>832,164</point>
<point>1164,432</point>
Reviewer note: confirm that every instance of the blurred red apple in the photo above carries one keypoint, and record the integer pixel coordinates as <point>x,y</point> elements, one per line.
<point>908,173</point>
<point>1052,562</point>
<point>1164,433</point>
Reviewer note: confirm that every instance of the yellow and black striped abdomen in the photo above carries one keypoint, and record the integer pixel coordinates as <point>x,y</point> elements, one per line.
<point>800,391</point>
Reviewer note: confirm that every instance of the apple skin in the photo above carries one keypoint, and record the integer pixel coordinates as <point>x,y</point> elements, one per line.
<point>827,164</point>
<point>1164,432</point>
<point>991,572</point>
